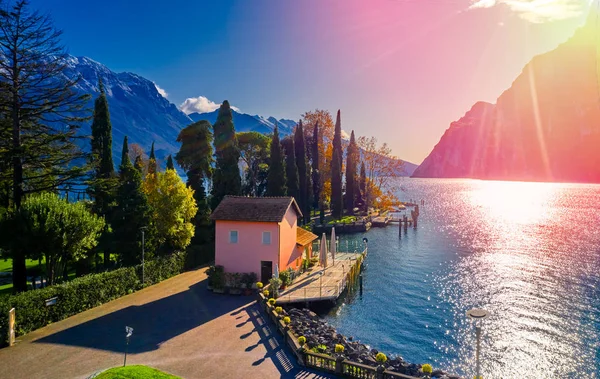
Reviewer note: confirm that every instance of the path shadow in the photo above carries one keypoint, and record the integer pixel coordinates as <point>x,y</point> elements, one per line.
<point>153,323</point>
<point>285,362</point>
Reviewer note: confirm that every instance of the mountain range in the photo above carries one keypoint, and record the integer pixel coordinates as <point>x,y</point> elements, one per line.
<point>545,127</point>
<point>139,111</point>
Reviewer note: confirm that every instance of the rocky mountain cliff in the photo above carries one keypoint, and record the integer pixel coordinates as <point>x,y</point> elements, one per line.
<point>245,122</point>
<point>545,127</point>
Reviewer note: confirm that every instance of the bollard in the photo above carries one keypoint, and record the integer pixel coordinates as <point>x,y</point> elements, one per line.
<point>11,327</point>
<point>405,220</point>
<point>360,283</point>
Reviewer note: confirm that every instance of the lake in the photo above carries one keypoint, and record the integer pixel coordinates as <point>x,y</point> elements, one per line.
<point>529,253</point>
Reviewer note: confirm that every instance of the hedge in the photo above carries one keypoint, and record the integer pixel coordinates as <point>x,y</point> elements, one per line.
<point>81,294</point>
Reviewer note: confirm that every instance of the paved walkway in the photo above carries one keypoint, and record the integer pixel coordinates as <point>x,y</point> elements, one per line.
<point>179,327</point>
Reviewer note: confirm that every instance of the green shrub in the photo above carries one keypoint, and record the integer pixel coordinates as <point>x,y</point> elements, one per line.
<point>198,255</point>
<point>301,340</point>
<point>272,301</point>
<point>339,348</point>
<point>426,368</point>
<point>287,320</point>
<point>381,358</point>
<point>259,285</point>
<point>81,294</point>
<point>266,293</point>
<point>279,310</point>
<point>285,278</point>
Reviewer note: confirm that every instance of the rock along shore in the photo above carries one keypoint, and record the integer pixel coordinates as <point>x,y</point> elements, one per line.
<point>317,332</point>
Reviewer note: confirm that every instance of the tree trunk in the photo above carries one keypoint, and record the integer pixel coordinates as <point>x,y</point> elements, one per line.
<point>18,264</point>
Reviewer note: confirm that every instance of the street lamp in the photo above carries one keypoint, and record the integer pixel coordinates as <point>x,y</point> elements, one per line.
<point>128,333</point>
<point>143,229</point>
<point>477,316</point>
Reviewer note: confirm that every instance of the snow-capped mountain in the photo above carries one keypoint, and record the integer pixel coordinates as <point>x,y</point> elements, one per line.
<point>137,109</point>
<point>244,122</point>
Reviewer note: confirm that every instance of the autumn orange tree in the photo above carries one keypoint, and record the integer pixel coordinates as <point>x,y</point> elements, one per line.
<point>380,167</point>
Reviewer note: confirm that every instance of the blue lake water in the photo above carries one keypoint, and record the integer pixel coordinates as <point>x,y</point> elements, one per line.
<point>527,252</point>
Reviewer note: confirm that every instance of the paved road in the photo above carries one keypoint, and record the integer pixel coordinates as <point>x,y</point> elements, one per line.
<point>179,327</point>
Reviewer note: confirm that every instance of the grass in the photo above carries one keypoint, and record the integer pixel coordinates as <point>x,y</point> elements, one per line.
<point>343,220</point>
<point>6,264</point>
<point>134,372</point>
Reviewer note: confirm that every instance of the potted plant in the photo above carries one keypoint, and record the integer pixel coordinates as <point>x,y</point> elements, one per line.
<point>266,294</point>
<point>301,342</point>
<point>218,281</point>
<point>427,370</point>
<point>235,284</point>
<point>381,359</point>
<point>287,320</point>
<point>251,278</point>
<point>271,301</point>
<point>279,311</point>
<point>284,277</point>
<point>275,285</point>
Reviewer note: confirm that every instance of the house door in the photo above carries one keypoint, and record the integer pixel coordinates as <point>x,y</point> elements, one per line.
<point>266,271</point>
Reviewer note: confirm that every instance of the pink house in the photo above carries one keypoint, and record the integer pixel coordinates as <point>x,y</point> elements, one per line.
<point>253,234</point>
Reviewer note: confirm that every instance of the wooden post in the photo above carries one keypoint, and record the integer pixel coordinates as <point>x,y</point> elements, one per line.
<point>11,327</point>
<point>405,220</point>
<point>399,228</point>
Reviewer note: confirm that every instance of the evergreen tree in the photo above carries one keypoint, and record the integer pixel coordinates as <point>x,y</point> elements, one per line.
<point>363,183</point>
<point>104,181</point>
<point>316,176</point>
<point>303,172</point>
<point>291,171</point>
<point>131,214</point>
<point>196,157</point>
<point>226,178</point>
<point>352,155</point>
<point>124,153</point>
<point>170,165</point>
<point>152,168</point>
<point>336,171</point>
<point>276,181</point>
<point>43,108</point>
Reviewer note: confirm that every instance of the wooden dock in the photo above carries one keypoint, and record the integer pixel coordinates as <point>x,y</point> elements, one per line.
<point>311,286</point>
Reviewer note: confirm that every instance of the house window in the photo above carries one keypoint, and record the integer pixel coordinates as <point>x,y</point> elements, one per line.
<point>233,236</point>
<point>266,238</point>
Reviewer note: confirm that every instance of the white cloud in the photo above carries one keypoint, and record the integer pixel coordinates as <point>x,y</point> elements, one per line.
<point>345,134</point>
<point>537,11</point>
<point>200,104</point>
<point>162,92</point>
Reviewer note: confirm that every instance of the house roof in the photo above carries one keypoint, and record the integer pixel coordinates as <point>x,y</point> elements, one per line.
<point>304,237</point>
<point>254,209</point>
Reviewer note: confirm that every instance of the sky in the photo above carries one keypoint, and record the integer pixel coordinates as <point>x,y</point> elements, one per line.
<point>399,70</point>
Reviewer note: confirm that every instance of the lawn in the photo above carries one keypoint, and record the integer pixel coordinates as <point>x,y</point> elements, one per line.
<point>6,264</point>
<point>343,220</point>
<point>134,372</point>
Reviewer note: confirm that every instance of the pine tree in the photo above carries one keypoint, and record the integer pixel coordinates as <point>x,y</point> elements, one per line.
<point>276,181</point>
<point>316,176</point>
<point>38,101</point>
<point>170,165</point>
<point>226,178</point>
<point>303,172</point>
<point>336,172</point>
<point>351,161</point>
<point>152,168</point>
<point>132,212</point>
<point>291,170</point>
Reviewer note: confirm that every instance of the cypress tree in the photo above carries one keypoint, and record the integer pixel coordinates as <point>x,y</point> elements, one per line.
<point>152,169</point>
<point>303,171</point>
<point>132,212</point>
<point>351,161</point>
<point>170,165</point>
<point>226,178</point>
<point>124,154</point>
<point>316,176</point>
<point>103,184</point>
<point>336,171</point>
<point>291,170</point>
<point>276,182</point>
<point>363,184</point>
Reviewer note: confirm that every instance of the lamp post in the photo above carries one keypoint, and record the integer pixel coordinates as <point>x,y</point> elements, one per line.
<point>477,315</point>
<point>143,229</point>
<point>128,333</point>
<point>321,284</point>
